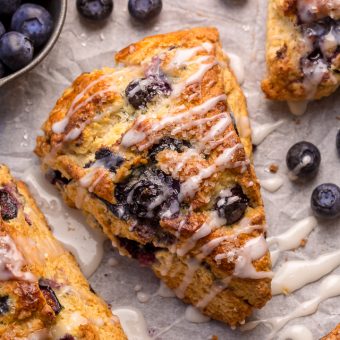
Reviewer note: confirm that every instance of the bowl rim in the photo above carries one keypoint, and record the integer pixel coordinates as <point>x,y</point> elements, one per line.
<point>44,52</point>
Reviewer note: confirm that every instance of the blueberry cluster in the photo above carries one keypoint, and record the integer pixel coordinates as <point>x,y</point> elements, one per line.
<point>141,10</point>
<point>149,194</point>
<point>303,161</point>
<point>317,34</point>
<point>8,205</point>
<point>24,30</point>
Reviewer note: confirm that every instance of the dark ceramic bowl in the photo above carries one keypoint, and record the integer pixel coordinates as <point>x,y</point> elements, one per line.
<point>57,8</point>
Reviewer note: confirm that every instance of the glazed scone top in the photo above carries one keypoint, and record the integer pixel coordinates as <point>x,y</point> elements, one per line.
<point>43,294</point>
<point>302,49</point>
<point>155,141</point>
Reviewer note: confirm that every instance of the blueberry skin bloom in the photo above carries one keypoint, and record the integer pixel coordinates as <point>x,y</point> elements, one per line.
<point>2,29</point>
<point>95,10</point>
<point>16,50</point>
<point>303,160</point>
<point>325,201</point>
<point>34,21</point>
<point>144,10</point>
<point>8,7</point>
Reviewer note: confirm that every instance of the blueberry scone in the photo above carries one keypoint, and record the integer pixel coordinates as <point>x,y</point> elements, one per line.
<point>43,294</point>
<point>150,151</point>
<point>302,55</point>
<point>333,335</point>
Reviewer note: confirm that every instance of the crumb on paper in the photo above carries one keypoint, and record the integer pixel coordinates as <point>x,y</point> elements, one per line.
<point>303,242</point>
<point>273,168</point>
<point>285,291</point>
<point>213,337</point>
<point>297,121</point>
<point>337,117</point>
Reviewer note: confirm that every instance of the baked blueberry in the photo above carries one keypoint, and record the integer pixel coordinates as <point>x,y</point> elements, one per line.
<point>95,9</point>
<point>34,21</point>
<point>8,205</point>
<point>109,160</point>
<point>168,143</point>
<point>55,176</point>
<point>4,307</point>
<point>325,201</point>
<point>16,50</point>
<point>141,91</point>
<point>150,194</point>
<point>67,337</point>
<point>8,7</point>
<point>144,10</point>
<point>303,160</point>
<point>232,204</point>
<point>337,142</point>
<point>50,296</point>
<point>2,29</point>
<point>145,254</point>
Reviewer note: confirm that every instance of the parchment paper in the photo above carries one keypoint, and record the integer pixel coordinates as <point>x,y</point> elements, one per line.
<point>25,103</point>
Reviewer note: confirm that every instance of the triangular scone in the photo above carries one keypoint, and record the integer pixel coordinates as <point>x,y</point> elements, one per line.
<point>151,153</point>
<point>334,334</point>
<point>302,51</point>
<point>43,294</point>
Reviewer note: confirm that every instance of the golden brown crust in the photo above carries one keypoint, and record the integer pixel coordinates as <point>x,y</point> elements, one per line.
<point>29,310</point>
<point>93,189</point>
<point>285,49</point>
<point>333,335</point>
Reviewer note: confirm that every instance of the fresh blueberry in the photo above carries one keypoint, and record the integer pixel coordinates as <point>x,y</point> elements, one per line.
<point>50,296</point>
<point>141,91</point>
<point>325,201</point>
<point>337,141</point>
<point>95,9</point>
<point>168,143</point>
<point>303,160</point>
<point>110,160</point>
<point>2,29</point>
<point>16,50</point>
<point>34,21</point>
<point>8,7</point>
<point>4,307</point>
<point>144,10</point>
<point>150,194</point>
<point>232,204</point>
<point>2,70</point>
<point>8,205</point>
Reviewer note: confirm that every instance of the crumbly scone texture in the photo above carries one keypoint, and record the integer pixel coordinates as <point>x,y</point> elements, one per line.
<point>43,293</point>
<point>146,151</point>
<point>286,49</point>
<point>334,334</point>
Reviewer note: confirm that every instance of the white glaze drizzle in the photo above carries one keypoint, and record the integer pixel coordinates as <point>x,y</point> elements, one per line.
<point>133,322</point>
<point>63,327</point>
<point>292,238</point>
<point>293,275</point>
<point>165,291</point>
<point>298,108</point>
<point>311,10</point>
<point>272,184</point>
<point>214,290</point>
<point>296,332</point>
<point>134,136</point>
<point>237,66</point>
<point>252,250</point>
<point>260,132</point>
<point>222,162</point>
<point>192,79</point>
<point>11,262</point>
<point>330,287</point>
<point>193,315</point>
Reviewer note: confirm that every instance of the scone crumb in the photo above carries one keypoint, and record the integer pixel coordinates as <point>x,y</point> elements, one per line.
<point>303,242</point>
<point>273,168</point>
<point>213,337</point>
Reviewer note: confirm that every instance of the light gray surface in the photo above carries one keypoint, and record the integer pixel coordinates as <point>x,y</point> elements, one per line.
<point>25,103</point>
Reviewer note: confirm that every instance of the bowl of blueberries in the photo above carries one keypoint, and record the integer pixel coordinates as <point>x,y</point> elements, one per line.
<point>28,31</point>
